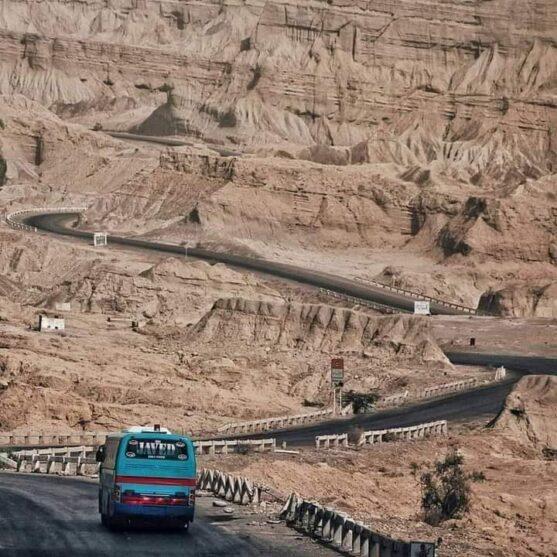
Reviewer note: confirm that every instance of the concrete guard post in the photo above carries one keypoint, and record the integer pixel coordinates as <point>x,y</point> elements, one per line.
<point>232,488</point>
<point>340,531</point>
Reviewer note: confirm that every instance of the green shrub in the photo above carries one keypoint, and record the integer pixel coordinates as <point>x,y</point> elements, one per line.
<point>477,476</point>
<point>361,402</point>
<point>445,490</point>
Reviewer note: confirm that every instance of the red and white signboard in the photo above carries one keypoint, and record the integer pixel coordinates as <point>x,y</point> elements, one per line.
<point>337,371</point>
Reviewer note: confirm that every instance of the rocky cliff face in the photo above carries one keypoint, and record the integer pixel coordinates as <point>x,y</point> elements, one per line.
<point>529,413</point>
<point>521,301</point>
<point>317,328</point>
<point>422,126</point>
<point>468,85</point>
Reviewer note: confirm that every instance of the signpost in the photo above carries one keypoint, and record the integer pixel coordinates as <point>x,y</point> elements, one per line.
<point>337,381</point>
<point>421,307</point>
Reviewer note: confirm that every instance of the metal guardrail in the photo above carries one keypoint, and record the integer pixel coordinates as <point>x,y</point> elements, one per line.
<point>363,302</point>
<point>419,296</point>
<point>12,219</point>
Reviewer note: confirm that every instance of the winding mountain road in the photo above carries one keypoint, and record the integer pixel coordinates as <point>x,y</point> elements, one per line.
<point>44,515</point>
<point>485,401</point>
<point>59,223</point>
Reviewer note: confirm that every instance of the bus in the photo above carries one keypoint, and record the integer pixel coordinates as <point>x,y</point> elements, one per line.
<point>147,473</point>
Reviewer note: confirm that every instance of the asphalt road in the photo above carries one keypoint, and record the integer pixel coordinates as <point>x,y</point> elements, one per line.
<point>483,402</point>
<point>55,516</point>
<point>60,224</point>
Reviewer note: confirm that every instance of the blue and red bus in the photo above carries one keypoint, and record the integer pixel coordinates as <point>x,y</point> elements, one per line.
<point>147,473</point>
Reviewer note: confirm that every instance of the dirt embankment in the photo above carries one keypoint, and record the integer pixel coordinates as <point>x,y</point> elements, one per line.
<point>513,510</point>
<point>529,415</point>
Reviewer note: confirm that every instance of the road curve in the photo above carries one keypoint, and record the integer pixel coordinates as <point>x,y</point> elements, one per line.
<point>485,401</point>
<point>57,517</point>
<point>58,224</point>
<point>481,402</point>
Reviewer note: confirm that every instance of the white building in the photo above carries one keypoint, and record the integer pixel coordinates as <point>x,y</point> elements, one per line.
<point>48,324</point>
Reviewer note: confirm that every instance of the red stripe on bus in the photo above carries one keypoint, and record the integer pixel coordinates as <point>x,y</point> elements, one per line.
<point>189,482</point>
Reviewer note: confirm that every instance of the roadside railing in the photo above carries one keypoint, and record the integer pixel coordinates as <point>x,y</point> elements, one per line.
<point>72,460</point>
<point>346,534</point>
<point>235,446</point>
<point>51,439</point>
<point>235,489</point>
<point>278,422</point>
<point>363,302</point>
<point>404,433</point>
<point>392,400</point>
<point>326,441</point>
<point>13,219</point>
<point>436,390</point>
<point>410,433</point>
<point>418,296</point>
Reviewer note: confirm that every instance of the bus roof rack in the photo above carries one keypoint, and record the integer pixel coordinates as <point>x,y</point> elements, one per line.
<point>147,429</point>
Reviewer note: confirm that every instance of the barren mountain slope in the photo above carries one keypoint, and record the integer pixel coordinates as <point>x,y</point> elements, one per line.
<point>444,112</point>
<point>470,86</point>
<point>530,412</point>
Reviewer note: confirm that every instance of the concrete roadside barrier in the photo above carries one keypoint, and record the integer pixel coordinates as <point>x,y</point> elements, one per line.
<point>225,446</point>
<point>380,436</point>
<point>38,439</point>
<point>62,443</point>
<point>392,400</point>
<point>342,532</point>
<point>279,422</point>
<point>437,390</point>
<point>404,433</point>
<point>8,462</point>
<point>81,460</point>
<point>235,489</point>
<point>53,464</point>
<point>326,441</point>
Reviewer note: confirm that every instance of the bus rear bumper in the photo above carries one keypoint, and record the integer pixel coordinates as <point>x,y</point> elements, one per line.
<point>151,511</point>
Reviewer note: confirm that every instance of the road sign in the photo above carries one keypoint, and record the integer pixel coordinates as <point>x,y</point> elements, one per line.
<point>337,372</point>
<point>99,239</point>
<point>421,307</point>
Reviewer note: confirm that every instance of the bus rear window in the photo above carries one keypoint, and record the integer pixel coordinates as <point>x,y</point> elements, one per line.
<point>157,449</point>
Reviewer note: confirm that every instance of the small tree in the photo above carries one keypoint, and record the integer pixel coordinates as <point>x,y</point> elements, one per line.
<point>361,402</point>
<point>445,490</point>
